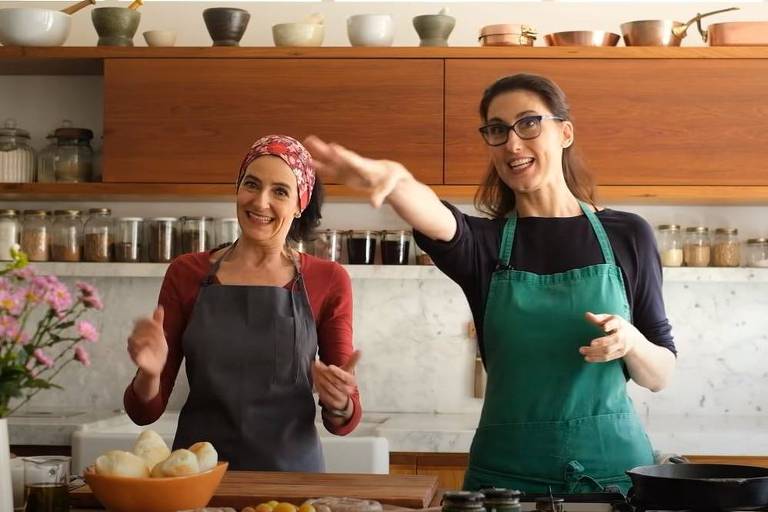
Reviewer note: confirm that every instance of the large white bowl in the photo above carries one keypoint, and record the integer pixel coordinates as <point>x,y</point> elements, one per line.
<point>298,34</point>
<point>28,26</point>
<point>370,30</point>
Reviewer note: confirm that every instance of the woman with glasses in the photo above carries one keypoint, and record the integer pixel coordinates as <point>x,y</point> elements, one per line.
<point>566,296</point>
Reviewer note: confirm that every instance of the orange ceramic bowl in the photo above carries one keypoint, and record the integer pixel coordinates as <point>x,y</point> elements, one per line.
<point>123,494</point>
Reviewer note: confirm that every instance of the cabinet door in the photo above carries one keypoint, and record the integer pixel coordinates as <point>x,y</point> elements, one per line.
<point>638,121</point>
<point>192,120</point>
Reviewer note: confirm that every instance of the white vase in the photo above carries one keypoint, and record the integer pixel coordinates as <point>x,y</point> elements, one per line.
<point>6,489</point>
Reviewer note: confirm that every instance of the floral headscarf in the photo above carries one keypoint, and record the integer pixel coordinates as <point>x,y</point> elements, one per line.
<point>293,154</point>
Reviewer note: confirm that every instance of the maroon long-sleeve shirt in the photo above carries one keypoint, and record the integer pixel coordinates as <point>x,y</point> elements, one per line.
<point>330,296</point>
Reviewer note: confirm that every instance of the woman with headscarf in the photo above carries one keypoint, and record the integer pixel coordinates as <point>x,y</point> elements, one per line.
<point>249,320</point>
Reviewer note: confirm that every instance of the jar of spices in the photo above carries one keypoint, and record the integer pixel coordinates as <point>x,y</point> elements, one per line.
<point>18,160</point>
<point>361,247</point>
<point>9,232</point>
<point>395,247</point>
<point>726,250</point>
<point>757,252</point>
<point>197,234</point>
<point>99,235</point>
<point>163,239</point>
<point>129,242</point>
<point>35,235</point>
<point>74,155</point>
<point>463,501</point>
<point>670,243</point>
<point>328,245</point>
<point>66,236</point>
<point>227,231</point>
<point>697,248</point>
<point>501,500</point>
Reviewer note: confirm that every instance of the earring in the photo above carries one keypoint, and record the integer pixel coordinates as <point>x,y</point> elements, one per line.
<point>297,215</point>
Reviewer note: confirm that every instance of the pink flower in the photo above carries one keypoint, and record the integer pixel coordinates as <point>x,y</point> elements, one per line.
<point>9,327</point>
<point>82,356</point>
<point>11,301</point>
<point>42,358</point>
<point>24,274</point>
<point>87,331</point>
<point>86,289</point>
<point>58,296</point>
<point>89,296</point>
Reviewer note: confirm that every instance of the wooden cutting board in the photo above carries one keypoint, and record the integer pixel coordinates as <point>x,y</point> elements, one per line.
<point>240,489</point>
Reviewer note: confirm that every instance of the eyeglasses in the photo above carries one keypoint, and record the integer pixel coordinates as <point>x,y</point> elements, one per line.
<point>528,127</point>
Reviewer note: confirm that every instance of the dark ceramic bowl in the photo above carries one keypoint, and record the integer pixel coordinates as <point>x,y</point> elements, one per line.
<point>115,26</point>
<point>226,25</point>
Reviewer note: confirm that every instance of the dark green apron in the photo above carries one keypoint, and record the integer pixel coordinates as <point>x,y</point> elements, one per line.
<point>551,419</point>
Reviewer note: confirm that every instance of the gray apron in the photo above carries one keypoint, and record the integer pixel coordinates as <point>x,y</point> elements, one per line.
<point>248,352</point>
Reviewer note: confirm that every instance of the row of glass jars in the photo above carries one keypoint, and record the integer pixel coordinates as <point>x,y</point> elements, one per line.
<point>100,238</point>
<point>697,248</point>
<point>361,247</point>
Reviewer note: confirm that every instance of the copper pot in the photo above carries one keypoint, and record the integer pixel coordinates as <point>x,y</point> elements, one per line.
<point>582,38</point>
<point>507,35</point>
<point>662,32</point>
<point>738,33</point>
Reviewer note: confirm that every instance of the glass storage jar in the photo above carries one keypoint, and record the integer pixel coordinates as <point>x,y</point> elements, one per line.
<point>9,232</point>
<point>35,235</point>
<point>501,500</point>
<point>46,161</point>
<point>99,237</point>
<point>66,236</point>
<point>549,504</point>
<point>757,252</point>
<point>395,247</point>
<point>462,501</point>
<point>227,231</point>
<point>670,242</point>
<point>697,248</point>
<point>726,249</point>
<point>163,239</point>
<point>361,247</point>
<point>74,155</point>
<point>328,245</point>
<point>196,234</point>
<point>129,239</point>
<point>18,160</point>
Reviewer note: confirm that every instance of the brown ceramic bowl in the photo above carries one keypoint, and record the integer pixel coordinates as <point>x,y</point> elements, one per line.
<point>582,38</point>
<point>123,494</point>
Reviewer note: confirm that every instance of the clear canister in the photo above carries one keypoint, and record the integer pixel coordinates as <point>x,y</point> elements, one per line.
<point>46,161</point>
<point>9,232</point>
<point>74,155</point>
<point>670,243</point>
<point>129,239</point>
<point>99,236</point>
<point>163,239</point>
<point>697,248</point>
<point>18,159</point>
<point>328,245</point>
<point>227,231</point>
<point>197,234</point>
<point>35,235</point>
<point>361,247</point>
<point>757,252</point>
<point>726,249</point>
<point>395,247</point>
<point>67,236</point>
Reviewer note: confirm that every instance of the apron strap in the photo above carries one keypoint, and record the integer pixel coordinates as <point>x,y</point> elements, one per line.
<point>507,238</point>
<point>208,279</point>
<point>602,236</point>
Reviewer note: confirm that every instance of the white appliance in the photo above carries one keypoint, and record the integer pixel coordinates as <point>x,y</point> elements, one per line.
<point>360,452</point>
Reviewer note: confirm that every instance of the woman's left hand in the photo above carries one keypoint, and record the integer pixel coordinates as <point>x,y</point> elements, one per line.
<point>335,384</point>
<point>621,337</point>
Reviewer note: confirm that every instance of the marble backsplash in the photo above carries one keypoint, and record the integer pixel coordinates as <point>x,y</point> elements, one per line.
<point>417,356</point>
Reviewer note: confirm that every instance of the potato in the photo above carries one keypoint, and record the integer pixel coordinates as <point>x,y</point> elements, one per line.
<point>207,458</point>
<point>179,463</point>
<point>151,447</point>
<point>120,463</point>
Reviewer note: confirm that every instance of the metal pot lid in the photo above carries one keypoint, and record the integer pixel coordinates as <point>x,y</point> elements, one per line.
<point>9,130</point>
<point>507,28</point>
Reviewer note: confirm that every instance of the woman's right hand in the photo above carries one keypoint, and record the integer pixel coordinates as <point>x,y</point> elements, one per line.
<point>146,344</point>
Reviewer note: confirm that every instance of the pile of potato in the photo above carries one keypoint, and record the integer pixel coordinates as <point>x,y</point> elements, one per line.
<point>152,457</point>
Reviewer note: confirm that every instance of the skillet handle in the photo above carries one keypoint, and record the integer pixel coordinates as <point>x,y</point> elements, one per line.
<point>678,459</point>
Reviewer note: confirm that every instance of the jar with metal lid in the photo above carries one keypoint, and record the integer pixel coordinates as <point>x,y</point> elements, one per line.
<point>67,236</point>
<point>227,230</point>
<point>328,245</point>
<point>395,247</point>
<point>196,234</point>
<point>757,252</point>
<point>726,249</point>
<point>501,500</point>
<point>35,235</point>
<point>361,247</point>
<point>463,501</point>
<point>129,239</point>
<point>99,237</point>
<point>18,159</point>
<point>9,232</point>
<point>163,239</point>
<point>74,155</point>
<point>549,504</point>
<point>670,244</point>
<point>697,248</point>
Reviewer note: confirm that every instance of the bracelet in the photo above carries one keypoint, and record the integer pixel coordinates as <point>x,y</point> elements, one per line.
<point>336,413</point>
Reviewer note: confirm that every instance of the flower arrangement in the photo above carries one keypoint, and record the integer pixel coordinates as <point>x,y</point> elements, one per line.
<point>41,330</point>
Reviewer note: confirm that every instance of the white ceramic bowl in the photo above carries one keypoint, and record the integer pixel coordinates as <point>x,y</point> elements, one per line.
<point>370,30</point>
<point>298,34</point>
<point>160,37</point>
<point>29,26</point>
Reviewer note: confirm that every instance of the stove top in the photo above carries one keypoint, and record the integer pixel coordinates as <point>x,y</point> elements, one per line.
<point>601,502</point>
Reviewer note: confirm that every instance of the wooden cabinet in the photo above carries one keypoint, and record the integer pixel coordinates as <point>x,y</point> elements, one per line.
<point>192,120</point>
<point>449,468</point>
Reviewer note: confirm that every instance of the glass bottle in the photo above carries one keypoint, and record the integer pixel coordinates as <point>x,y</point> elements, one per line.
<point>501,500</point>
<point>74,155</point>
<point>67,236</point>
<point>163,239</point>
<point>361,247</point>
<point>697,248</point>
<point>227,231</point>
<point>726,250</point>
<point>197,234</point>
<point>395,247</point>
<point>18,159</point>
<point>328,245</point>
<point>35,235</point>
<point>670,244</point>
<point>129,242</point>
<point>757,252</point>
<point>99,235</point>
<point>463,501</point>
<point>9,232</point>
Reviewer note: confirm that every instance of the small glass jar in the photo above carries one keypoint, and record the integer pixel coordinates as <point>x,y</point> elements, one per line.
<point>304,246</point>
<point>361,247</point>
<point>463,501</point>
<point>67,236</point>
<point>197,234</point>
<point>74,155</point>
<point>9,232</point>
<point>501,500</point>
<point>395,247</point>
<point>18,159</point>
<point>163,239</point>
<point>99,235</point>
<point>129,242</point>
<point>46,161</point>
<point>697,248</point>
<point>757,252</point>
<point>328,245</point>
<point>35,235</point>
<point>726,249</point>
<point>227,231</point>
<point>549,504</point>
<point>670,243</point>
